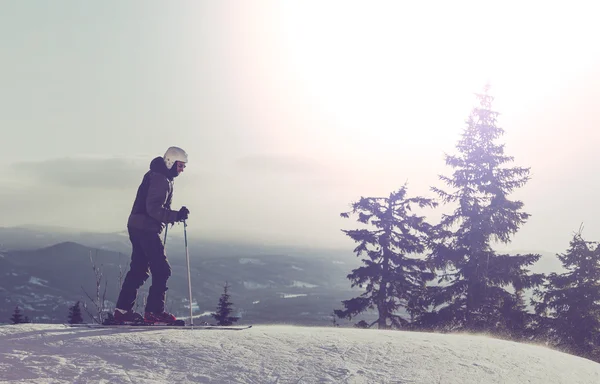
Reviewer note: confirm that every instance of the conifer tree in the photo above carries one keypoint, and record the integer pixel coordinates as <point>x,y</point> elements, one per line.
<point>390,276</point>
<point>474,279</point>
<point>334,320</point>
<point>570,302</point>
<point>75,316</point>
<point>17,316</point>
<point>224,309</point>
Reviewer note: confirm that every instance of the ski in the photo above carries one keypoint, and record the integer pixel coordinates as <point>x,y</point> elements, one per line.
<point>161,326</point>
<point>177,323</point>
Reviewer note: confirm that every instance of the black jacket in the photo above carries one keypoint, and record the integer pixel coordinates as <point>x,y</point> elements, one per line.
<point>152,206</point>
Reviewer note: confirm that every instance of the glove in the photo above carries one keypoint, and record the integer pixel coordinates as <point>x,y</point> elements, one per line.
<point>183,214</point>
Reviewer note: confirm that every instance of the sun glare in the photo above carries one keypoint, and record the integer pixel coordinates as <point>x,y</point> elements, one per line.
<point>388,77</point>
<point>378,77</point>
<point>392,72</point>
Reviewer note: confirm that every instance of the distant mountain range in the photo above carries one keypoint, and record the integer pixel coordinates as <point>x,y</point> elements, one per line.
<point>45,271</point>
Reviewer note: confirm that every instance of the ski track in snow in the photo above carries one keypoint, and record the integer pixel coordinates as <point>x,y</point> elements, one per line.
<point>52,353</point>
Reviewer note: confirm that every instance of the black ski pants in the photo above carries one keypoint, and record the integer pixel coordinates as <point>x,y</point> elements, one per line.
<point>147,257</point>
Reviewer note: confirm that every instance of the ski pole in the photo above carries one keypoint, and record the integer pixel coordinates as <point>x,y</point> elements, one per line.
<point>165,240</point>
<point>187,258</point>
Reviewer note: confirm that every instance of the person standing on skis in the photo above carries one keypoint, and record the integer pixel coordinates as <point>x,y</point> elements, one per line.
<point>150,213</point>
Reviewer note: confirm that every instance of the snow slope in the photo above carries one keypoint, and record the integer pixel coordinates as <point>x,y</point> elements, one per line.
<point>50,353</point>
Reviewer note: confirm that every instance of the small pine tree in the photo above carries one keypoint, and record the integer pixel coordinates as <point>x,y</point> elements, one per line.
<point>17,317</point>
<point>75,314</point>
<point>224,309</point>
<point>334,320</point>
<point>570,304</point>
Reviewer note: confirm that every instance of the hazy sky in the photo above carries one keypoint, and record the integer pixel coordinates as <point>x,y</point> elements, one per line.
<point>290,110</point>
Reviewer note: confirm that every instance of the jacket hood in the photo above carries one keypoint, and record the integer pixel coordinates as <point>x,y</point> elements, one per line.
<point>158,165</point>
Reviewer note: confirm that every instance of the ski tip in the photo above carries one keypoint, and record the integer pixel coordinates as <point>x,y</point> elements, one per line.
<point>155,326</point>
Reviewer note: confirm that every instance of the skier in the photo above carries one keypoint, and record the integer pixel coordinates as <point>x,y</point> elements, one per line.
<point>150,213</point>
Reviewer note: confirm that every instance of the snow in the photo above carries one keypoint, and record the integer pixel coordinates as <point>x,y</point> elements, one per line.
<point>195,306</point>
<point>37,281</point>
<point>203,314</point>
<point>27,307</point>
<point>52,353</point>
<point>251,261</point>
<point>254,285</point>
<point>292,295</point>
<point>301,284</point>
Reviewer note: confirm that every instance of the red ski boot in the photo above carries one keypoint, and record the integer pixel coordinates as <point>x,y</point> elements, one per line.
<point>164,318</point>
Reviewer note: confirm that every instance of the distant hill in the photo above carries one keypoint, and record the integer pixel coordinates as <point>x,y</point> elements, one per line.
<point>21,238</point>
<point>265,287</point>
<point>29,238</point>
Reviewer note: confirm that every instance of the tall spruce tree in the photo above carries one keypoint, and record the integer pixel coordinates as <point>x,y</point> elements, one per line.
<point>570,301</point>
<point>472,293</point>
<point>75,316</point>
<point>390,276</point>
<point>222,315</point>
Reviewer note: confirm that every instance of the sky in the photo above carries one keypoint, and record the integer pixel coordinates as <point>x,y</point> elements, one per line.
<point>55,353</point>
<point>290,111</point>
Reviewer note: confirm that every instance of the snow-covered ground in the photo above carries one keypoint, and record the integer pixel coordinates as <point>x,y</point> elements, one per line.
<point>44,353</point>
